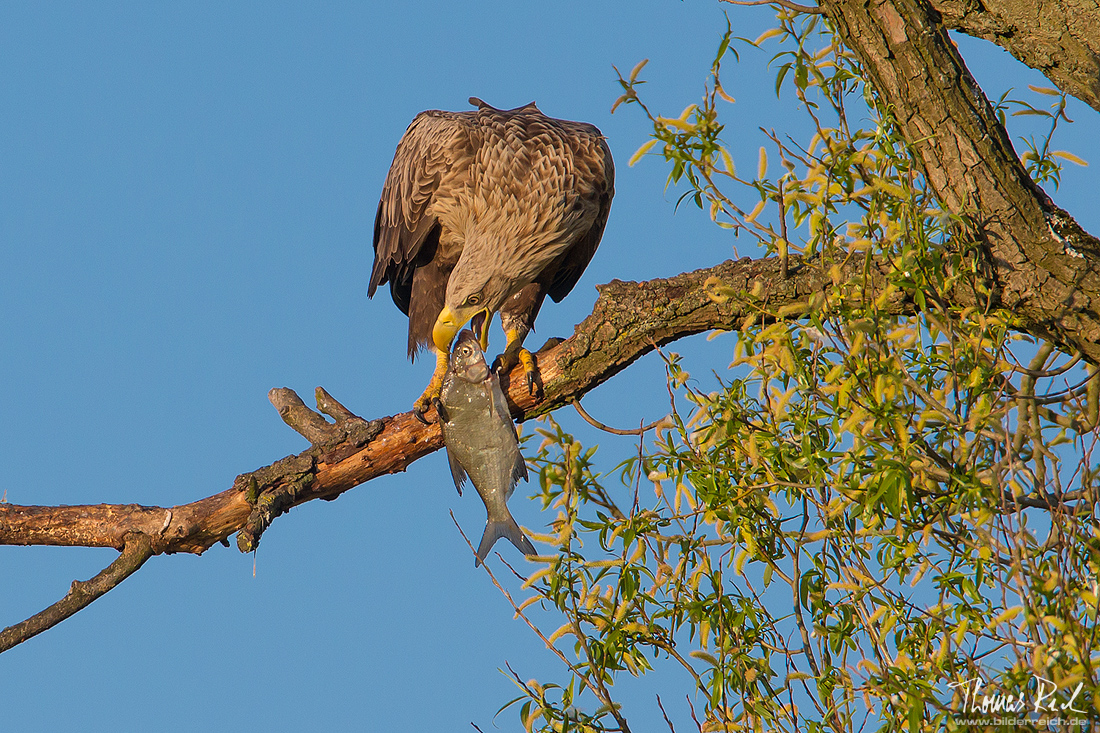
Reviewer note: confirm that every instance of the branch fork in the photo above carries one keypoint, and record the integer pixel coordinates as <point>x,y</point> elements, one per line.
<point>331,441</point>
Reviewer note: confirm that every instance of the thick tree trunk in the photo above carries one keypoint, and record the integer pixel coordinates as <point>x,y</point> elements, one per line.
<point>1044,267</point>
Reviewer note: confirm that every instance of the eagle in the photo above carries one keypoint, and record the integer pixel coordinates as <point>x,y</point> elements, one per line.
<point>488,211</point>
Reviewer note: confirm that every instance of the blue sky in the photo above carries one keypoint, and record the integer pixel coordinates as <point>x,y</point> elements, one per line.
<point>186,200</point>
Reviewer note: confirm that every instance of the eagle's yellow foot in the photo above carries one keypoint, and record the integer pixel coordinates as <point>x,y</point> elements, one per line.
<point>513,356</point>
<point>435,387</point>
<point>534,384</point>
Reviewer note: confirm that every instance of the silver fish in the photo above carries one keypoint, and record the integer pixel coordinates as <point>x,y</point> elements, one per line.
<point>481,441</point>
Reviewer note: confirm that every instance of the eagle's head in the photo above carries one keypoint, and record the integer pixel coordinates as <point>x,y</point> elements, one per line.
<point>472,295</point>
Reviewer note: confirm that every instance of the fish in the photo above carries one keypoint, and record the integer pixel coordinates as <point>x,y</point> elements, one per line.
<point>481,441</point>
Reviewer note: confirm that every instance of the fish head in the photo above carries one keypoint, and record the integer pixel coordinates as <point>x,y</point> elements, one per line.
<point>468,360</point>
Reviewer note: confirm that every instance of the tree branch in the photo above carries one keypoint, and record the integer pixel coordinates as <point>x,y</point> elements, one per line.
<point>1060,38</point>
<point>629,320</point>
<point>138,548</point>
<point>796,7</point>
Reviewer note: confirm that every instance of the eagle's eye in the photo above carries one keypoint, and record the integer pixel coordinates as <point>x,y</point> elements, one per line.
<point>474,299</point>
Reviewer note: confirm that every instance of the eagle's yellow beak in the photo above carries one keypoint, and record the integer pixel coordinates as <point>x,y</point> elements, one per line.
<point>449,322</point>
<point>446,326</point>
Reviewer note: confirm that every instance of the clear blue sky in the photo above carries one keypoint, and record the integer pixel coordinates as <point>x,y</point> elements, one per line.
<point>186,199</point>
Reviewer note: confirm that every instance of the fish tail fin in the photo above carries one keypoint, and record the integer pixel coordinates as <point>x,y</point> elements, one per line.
<point>505,527</point>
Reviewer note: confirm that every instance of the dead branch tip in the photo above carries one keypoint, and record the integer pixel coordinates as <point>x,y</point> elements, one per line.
<point>329,405</point>
<point>616,431</point>
<point>304,421</point>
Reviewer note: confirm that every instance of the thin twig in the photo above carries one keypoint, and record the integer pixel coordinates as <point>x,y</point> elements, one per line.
<point>692,708</point>
<point>600,691</point>
<point>782,3</point>
<point>518,610</point>
<point>1044,373</point>
<point>138,549</point>
<point>614,431</point>
<point>662,707</point>
<point>785,245</point>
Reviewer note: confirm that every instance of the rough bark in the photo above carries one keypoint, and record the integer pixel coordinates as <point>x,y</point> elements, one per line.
<point>1060,38</point>
<point>1043,265</point>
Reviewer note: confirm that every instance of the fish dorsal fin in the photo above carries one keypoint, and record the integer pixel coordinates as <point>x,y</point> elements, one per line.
<point>519,471</point>
<point>457,472</point>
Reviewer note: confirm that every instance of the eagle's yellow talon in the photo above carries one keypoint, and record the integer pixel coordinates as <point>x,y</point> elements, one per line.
<point>514,354</point>
<point>532,372</point>
<point>435,387</point>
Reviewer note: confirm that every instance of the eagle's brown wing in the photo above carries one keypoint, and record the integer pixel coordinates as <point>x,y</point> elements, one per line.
<point>450,163</point>
<point>595,170</point>
<point>432,154</point>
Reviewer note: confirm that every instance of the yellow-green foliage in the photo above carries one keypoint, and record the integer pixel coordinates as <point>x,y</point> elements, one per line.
<point>866,507</point>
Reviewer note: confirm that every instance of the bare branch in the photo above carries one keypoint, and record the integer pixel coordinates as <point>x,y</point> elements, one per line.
<point>615,431</point>
<point>304,421</point>
<point>138,548</point>
<point>1060,38</point>
<point>327,404</point>
<point>665,715</point>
